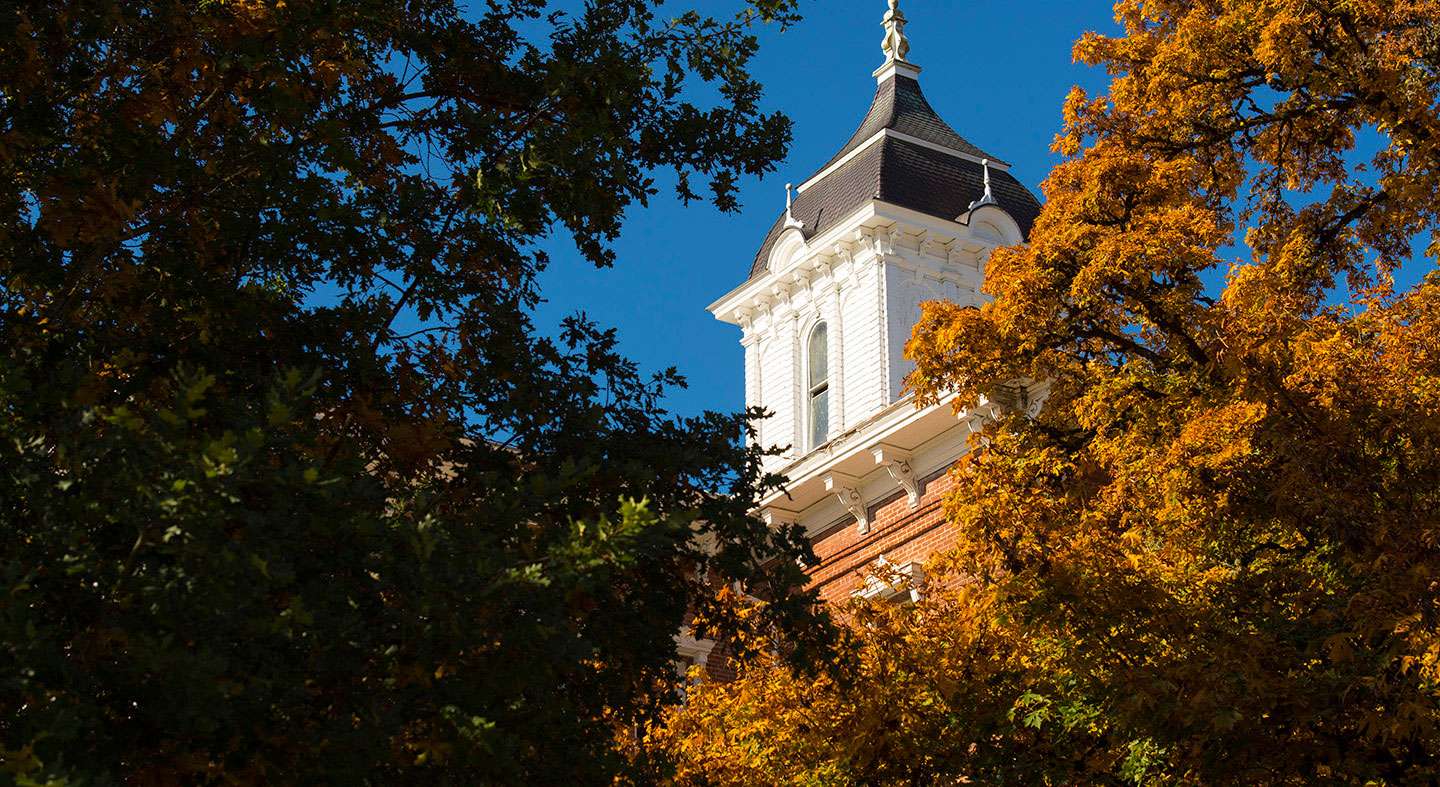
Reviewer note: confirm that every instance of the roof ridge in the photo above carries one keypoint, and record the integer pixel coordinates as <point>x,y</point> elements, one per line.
<point>900,105</point>
<point>974,150</point>
<point>861,134</point>
<point>879,171</point>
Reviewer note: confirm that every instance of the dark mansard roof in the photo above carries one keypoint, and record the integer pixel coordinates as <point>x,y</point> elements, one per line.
<point>940,183</point>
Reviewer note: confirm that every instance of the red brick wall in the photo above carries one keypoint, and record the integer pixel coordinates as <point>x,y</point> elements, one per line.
<point>720,666</point>
<point>901,533</point>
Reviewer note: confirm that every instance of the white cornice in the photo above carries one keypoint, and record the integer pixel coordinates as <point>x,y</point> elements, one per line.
<point>723,307</point>
<point>726,308</point>
<point>955,228</point>
<point>900,427</point>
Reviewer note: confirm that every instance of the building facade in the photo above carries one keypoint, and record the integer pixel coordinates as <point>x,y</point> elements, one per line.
<point>907,211</point>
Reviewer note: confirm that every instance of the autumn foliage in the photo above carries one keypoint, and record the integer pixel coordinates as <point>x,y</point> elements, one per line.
<point>1214,556</point>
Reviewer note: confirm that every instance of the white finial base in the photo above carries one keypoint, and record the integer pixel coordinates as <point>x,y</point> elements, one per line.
<point>894,67</point>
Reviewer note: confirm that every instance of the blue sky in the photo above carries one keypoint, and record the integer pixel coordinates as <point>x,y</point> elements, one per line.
<point>996,72</point>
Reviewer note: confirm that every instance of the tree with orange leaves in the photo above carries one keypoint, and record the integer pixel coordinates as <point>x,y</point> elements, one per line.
<point>1213,558</point>
<point>1226,514</point>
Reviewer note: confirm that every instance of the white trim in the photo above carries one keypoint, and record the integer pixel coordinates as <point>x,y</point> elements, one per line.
<point>842,161</point>
<point>691,649</point>
<point>954,232</point>
<point>750,289</point>
<point>906,585</point>
<point>999,218</point>
<point>903,137</point>
<point>790,241</point>
<point>851,493</point>
<point>924,221</point>
<point>893,67</point>
<point>807,390</point>
<point>925,143</point>
<point>900,425</point>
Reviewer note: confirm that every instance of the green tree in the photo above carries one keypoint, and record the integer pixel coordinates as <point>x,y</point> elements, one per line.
<point>252,532</point>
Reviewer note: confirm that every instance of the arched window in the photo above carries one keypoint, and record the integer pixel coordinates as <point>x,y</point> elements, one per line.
<point>819,387</point>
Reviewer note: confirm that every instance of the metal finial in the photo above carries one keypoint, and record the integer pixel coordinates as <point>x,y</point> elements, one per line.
<point>987,198</point>
<point>894,44</point>
<point>791,221</point>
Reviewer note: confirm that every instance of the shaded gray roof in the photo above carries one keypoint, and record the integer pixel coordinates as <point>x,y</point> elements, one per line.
<point>899,105</point>
<point>902,173</point>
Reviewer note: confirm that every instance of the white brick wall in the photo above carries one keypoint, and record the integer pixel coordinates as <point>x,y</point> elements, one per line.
<point>776,368</point>
<point>776,383</point>
<point>908,288</point>
<point>870,302</point>
<point>864,355</point>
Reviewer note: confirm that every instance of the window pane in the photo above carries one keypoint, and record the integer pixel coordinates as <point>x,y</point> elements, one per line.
<point>819,418</point>
<point>819,368</point>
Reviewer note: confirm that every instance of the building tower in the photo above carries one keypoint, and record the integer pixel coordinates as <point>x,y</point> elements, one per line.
<point>906,211</point>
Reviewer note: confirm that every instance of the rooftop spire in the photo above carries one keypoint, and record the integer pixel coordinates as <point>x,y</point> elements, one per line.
<point>790,220</point>
<point>894,45</point>
<point>987,198</point>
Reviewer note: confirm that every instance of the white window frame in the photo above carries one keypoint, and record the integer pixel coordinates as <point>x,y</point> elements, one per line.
<point>813,389</point>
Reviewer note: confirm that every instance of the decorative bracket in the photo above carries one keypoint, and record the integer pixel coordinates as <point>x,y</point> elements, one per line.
<point>865,238</point>
<point>779,517</point>
<point>892,238</point>
<point>847,489</point>
<point>691,650</point>
<point>927,242</point>
<point>845,256</point>
<point>897,462</point>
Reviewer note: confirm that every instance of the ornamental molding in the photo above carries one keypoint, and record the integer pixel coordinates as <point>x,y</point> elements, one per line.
<point>893,582</point>
<point>897,462</point>
<point>695,651</point>
<point>778,517</point>
<point>928,243</point>
<point>847,489</point>
<point>870,236</point>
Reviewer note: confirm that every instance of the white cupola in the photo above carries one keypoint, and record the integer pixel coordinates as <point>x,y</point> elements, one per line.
<point>907,211</point>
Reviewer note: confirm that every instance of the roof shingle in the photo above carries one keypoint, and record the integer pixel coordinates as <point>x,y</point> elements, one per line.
<point>901,106</point>
<point>902,173</point>
<point>905,174</point>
